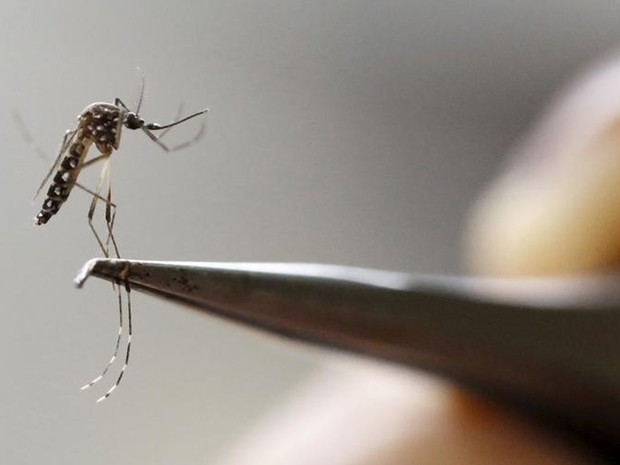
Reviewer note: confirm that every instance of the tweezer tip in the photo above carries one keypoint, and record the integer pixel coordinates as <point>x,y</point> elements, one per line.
<point>85,272</point>
<point>114,269</point>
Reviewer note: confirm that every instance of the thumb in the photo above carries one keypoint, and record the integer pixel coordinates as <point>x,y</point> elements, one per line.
<point>556,209</point>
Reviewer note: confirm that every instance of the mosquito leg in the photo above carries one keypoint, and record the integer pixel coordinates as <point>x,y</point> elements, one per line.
<point>91,192</point>
<point>116,347</point>
<point>93,206</point>
<point>128,350</point>
<point>94,160</point>
<point>110,215</point>
<point>118,102</point>
<point>91,212</point>
<point>17,117</point>
<point>110,212</point>
<point>110,206</point>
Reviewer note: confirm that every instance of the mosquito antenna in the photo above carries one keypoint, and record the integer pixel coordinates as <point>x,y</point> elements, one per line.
<point>141,93</point>
<point>157,127</point>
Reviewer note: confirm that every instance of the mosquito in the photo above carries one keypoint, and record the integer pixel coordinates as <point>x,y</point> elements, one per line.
<point>100,124</point>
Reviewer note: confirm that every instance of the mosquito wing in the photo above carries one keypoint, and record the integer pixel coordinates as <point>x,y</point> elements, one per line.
<point>66,141</point>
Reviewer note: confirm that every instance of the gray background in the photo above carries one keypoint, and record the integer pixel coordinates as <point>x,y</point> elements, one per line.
<point>350,132</point>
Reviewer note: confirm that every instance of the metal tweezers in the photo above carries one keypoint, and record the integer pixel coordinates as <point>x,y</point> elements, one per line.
<point>549,347</point>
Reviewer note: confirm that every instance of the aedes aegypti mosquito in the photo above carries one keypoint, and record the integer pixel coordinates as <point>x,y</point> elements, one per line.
<point>100,124</point>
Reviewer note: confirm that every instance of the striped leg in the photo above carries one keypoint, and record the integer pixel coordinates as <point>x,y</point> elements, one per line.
<point>110,206</point>
<point>110,210</point>
<point>116,347</point>
<point>128,350</point>
<point>110,214</point>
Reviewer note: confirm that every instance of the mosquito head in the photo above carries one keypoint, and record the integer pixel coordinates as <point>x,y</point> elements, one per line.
<point>132,120</point>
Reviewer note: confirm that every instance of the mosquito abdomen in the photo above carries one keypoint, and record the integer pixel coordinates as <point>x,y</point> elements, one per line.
<point>63,182</point>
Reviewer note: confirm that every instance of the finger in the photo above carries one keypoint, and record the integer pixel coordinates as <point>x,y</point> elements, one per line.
<point>556,209</point>
<point>363,414</point>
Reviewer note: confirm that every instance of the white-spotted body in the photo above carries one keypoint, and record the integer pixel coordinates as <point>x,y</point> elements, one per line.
<point>99,124</point>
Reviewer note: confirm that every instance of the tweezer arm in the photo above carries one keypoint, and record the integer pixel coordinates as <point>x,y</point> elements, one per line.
<point>553,349</point>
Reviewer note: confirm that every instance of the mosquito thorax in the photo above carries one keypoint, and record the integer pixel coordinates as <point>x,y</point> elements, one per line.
<point>99,123</point>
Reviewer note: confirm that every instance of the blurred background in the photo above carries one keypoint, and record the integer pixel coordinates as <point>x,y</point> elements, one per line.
<point>348,132</point>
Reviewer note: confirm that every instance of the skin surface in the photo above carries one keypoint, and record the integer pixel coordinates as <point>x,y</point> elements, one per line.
<point>554,210</point>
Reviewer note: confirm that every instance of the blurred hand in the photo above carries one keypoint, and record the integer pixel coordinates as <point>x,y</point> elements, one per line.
<point>556,210</point>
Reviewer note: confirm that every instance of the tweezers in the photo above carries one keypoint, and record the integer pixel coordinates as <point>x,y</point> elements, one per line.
<point>549,347</point>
